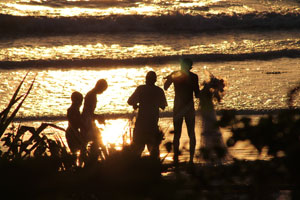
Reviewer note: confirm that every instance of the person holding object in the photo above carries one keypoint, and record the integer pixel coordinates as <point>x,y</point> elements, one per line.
<point>186,86</point>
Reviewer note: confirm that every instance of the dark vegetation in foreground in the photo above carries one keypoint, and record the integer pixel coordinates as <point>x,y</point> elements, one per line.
<point>43,168</point>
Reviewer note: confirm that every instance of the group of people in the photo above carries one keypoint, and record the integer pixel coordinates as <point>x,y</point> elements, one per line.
<point>149,99</point>
<point>81,126</point>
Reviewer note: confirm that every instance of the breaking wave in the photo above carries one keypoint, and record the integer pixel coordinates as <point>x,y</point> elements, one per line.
<point>20,25</point>
<point>107,62</point>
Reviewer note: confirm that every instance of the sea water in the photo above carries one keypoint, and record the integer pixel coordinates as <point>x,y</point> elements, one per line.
<point>68,45</point>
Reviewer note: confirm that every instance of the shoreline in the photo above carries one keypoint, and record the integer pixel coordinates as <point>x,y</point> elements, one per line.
<point>111,116</point>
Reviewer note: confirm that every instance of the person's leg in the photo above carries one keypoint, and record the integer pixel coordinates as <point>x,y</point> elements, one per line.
<point>177,123</point>
<point>70,140</point>
<point>153,147</point>
<point>190,124</point>
<point>153,142</point>
<point>138,148</point>
<point>98,141</point>
<point>155,162</point>
<point>138,143</point>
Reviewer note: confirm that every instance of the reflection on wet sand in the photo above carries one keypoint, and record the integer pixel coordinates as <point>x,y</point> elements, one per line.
<point>117,133</point>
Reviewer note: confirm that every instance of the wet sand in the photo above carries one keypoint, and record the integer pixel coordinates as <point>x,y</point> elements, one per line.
<point>114,129</point>
<point>242,150</point>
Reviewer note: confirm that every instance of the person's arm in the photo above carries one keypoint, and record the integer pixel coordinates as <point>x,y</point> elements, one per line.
<point>74,118</point>
<point>76,124</point>
<point>133,100</point>
<point>100,118</point>
<point>163,100</point>
<point>203,91</point>
<point>168,82</point>
<point>196,87</point>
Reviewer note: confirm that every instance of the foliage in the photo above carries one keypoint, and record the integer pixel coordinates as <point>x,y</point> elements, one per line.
<point>5,118</point>
<point>37,145</point>
<point>279,133</point>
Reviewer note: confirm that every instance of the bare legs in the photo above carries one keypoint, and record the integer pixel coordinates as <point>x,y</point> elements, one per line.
<point>189,118</point>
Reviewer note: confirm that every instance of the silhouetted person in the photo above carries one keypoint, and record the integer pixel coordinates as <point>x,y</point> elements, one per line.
<point>90,102</point>
<point>185,85</point>
<point>73,133</point>
<point>148,99</point>
<point>211,136</point>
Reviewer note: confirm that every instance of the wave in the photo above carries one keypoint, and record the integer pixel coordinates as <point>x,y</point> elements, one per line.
<point>107,62</point>
<point>172,23</point>
<point>111,116</point>
<point>84,4</point>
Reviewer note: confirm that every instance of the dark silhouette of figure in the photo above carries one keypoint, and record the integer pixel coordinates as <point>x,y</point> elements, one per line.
<point>89,117</point>
<point>148,99</point>
<point>186,86</point>
<point>74,136</point>
<point>211,137</point>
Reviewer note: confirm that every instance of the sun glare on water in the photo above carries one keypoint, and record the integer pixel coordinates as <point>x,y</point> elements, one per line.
<point>23,8</point>
<point>115,132</point>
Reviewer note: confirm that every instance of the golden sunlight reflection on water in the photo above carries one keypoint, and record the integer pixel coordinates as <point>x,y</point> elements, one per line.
<point>250,85</point>
<point>146,8</point>
<point>116,132</point>
<point>71,11</point>
<point>101,46</point>
<point>52,90</point>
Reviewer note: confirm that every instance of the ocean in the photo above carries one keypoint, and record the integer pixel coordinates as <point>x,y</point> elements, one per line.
<point>70,44</point>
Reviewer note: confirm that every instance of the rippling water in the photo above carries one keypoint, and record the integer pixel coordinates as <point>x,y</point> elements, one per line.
<point>252,85</point>
<point>150,45</point>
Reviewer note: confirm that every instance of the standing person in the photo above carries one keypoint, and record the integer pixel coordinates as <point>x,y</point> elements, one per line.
<point>211,136</point>
<point>89,117</point>
<point>73,133</point>
<point>148,99</point>
<point>186,86</point>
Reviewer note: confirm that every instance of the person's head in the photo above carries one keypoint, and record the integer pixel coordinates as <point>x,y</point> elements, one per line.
<point>186,64</point>
<point>77,98</point>
<point>150,78</point>
<point>100,86</point>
